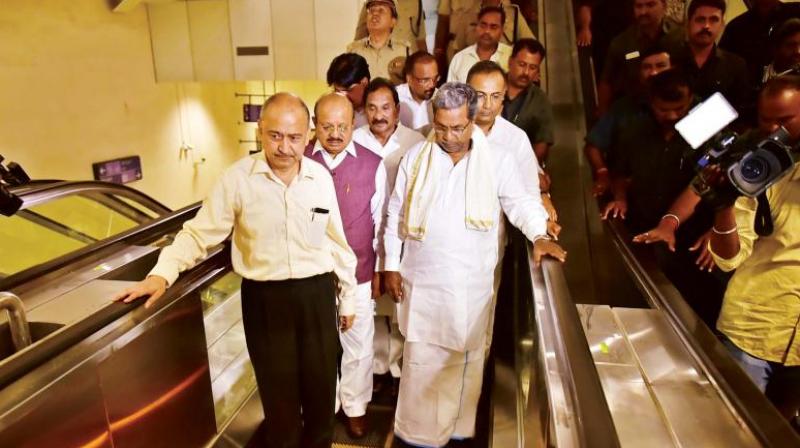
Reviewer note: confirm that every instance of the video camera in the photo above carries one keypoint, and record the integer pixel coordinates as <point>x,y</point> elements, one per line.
<point>750,163</point>
<point>11,175</point>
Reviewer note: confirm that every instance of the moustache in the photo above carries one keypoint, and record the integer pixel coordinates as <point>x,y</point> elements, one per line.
<point>706,32</point>
<point>380,122</point>
<point>334,140</point>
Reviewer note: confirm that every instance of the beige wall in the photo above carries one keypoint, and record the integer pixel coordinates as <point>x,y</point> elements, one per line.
<point>77,86</point>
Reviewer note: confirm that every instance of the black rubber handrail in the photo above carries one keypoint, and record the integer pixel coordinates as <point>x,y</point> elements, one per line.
<point>148,231</point>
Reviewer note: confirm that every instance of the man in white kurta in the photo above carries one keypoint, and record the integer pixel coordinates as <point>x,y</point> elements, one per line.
<point>447,230</point>
<point>388,138</point>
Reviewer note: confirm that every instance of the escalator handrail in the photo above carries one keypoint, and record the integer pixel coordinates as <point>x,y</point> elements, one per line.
<point>137,234</point>
<point>38,192</point>
<point>595,426</point>
<point>217,263</point>
<point>747,401</point>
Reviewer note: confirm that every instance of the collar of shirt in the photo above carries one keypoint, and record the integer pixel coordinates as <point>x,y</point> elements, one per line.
<point>260,166</point>
<point>368,44</point>
<point>330,160</point>
<point>404,93</point>
<point>498,52</point>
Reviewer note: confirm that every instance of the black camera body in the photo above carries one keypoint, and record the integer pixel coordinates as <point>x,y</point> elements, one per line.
<point>750,163</point>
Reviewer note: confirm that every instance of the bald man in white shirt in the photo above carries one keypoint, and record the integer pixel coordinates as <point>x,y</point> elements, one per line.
<point>289,246</point>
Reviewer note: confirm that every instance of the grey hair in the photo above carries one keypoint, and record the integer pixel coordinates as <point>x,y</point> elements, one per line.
<point>453,95</point>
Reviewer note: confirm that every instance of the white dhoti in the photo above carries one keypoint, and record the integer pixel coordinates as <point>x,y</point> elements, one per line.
<point>439,394</point>
<point>388,341</point>
<point>355,385</point>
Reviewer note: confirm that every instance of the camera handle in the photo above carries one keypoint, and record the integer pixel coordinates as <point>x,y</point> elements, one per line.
<point>763,225</point>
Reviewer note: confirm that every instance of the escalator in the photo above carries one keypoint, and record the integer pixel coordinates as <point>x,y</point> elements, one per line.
<point>599,352</point>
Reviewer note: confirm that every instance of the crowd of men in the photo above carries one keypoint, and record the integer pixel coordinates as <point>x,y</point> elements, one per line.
<point>742,281</point>
<point>383,232</point>
<point>392,217</point>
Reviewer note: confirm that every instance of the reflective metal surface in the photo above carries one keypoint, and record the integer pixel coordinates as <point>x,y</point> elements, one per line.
<point>657,394</point>
<point>17,321</point>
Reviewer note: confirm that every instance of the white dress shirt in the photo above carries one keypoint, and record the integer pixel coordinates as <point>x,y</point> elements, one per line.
<point>277,234</point>
<point>506,136</point>
<point>448,278</point>
<point>395,148</point>
<point>413,114</point>
<point>376,203</point>
<point>466,58</point>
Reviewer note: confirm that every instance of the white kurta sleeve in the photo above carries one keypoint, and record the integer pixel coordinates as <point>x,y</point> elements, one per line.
<point>392,239</point>
<point>523,209</point>
<point>377,209</point>
<point>527,163</point>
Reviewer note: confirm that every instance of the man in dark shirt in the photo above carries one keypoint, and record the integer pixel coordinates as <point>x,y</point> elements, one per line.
<point>711,69</point>
<point>620,72</point>
<point>525,104</point>
<point>749,34</point>
<point>785,45</point>
<point>623,113</point>
<point>651,170</point>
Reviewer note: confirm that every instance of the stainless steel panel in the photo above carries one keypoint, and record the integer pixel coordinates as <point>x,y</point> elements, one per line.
<point>698,417</point>
<point>67,413</point>
<point>660,352</point>
<point>232,387</point>
<point>227,348</point>
<point>80,302</point>
<point>222,317</point>
<point>606,340</point>
<point>637,418</point>
<point>169,397</point>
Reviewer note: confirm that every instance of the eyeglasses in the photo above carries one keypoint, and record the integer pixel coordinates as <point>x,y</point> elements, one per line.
<point>330,128</point>
<point>457,131</point>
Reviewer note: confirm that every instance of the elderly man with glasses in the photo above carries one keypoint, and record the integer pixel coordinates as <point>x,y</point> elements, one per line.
<point>444,216</point>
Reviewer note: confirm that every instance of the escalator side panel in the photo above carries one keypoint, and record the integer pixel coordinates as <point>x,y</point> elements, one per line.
<point>168,397</point>
<point>70,413</point>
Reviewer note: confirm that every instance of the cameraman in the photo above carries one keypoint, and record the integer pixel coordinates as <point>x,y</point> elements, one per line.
<point>760,315</point>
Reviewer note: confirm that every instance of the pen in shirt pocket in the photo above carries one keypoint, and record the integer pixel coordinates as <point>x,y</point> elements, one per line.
<point>321,211</point>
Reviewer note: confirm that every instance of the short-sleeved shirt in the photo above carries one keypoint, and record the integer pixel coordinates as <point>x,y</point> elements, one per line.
<point>723,72</point>
<point>621,68</point>
<point>410,23</point>
<point>659,170</point>
<point>384,61</point>
<point>625,112</point>
<point>749,37</point>
<point>531,111</point>
<point>464,19</point>
<point>466,58</point>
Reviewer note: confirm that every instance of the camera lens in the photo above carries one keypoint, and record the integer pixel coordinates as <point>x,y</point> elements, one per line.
<point>755,169</point>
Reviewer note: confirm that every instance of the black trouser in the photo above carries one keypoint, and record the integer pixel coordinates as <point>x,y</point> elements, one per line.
<point>292,338</point>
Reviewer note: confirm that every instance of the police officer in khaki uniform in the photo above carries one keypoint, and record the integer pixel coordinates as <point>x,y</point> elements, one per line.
<point>410,24</point>
<point>384,53</point>
<point>458,19</point>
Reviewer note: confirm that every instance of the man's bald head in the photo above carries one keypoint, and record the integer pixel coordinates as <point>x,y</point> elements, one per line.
<point>332,100</point>
<point>282,102</point>
<point>333,120</point>
<point>283,128</point>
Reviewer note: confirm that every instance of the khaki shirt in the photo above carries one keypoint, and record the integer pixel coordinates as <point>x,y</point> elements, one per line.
<point>464,19</point>
<point>386,62</point>
<point>410,23</point>
<point>761,309</point>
